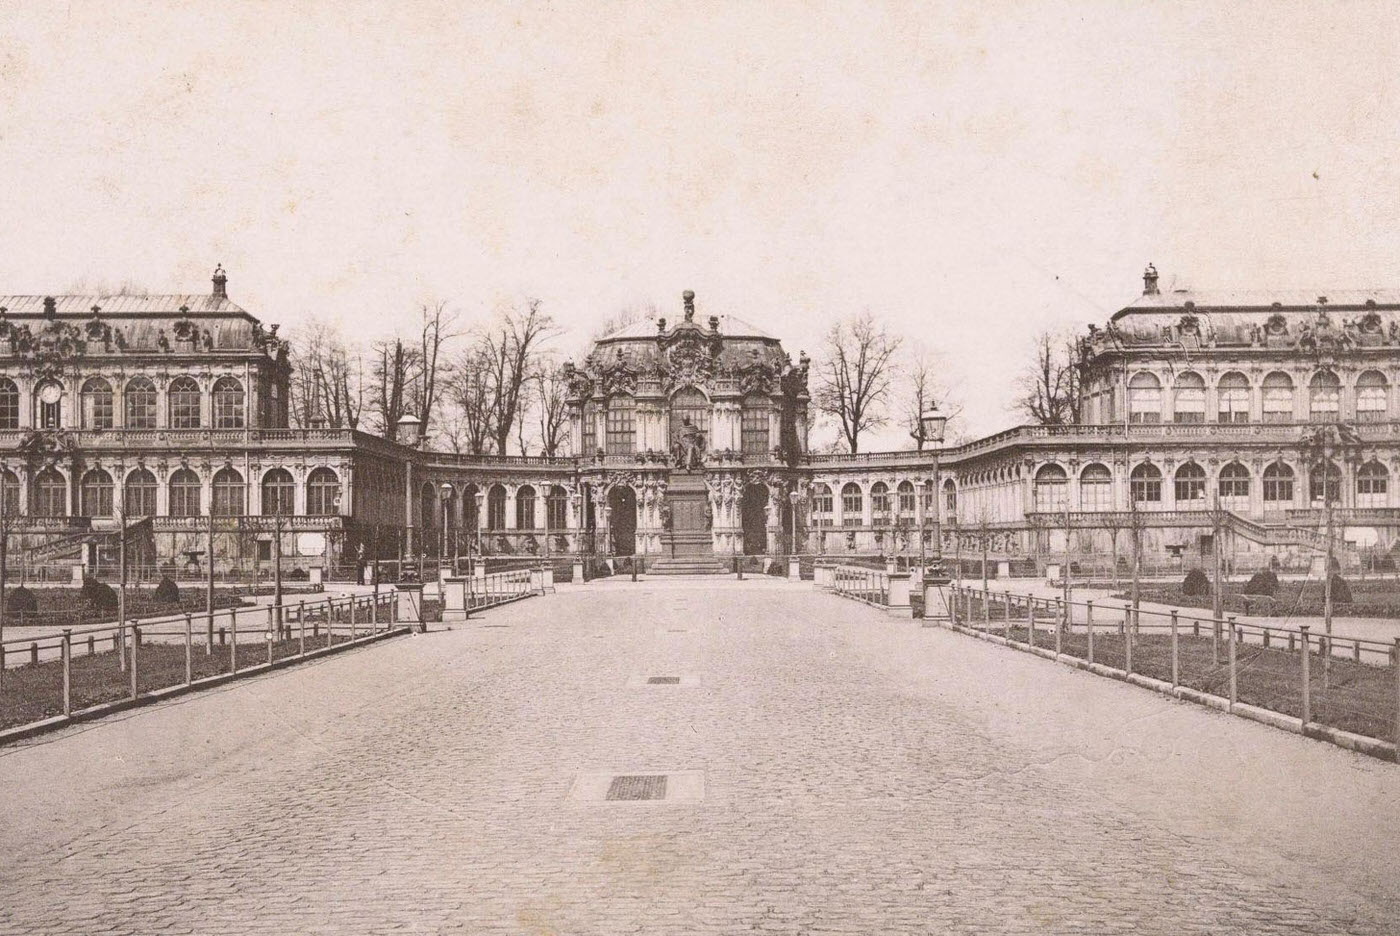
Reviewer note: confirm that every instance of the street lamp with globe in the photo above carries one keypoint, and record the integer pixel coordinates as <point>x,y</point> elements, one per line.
<point>446,506</point>
<point>932,423</point>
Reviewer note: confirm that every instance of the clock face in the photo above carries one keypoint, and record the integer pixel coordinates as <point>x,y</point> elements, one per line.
<point>50,394</point>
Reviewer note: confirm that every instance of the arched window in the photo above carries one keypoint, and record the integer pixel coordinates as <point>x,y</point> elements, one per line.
<point>524,507</point>
<point>322,492</point>
<point>622,425</point>
<point>754,428</point>
<point>279,493</point>
<point>1189,401</point>
<point>589,430</point>
<point>1095,488</point>
<point>1051,489</point>
<point>1372,481</point>
<point>140,403</point>
<point>139,498</point>
<point>822,506</point>
<point>496,508</point>
<point>9,492</point>
<point>9,404</point>
<point>1278,398</point>
<point>1324,480</point>
<point>427,505</point>
<point>228,403</point>
<point>48,402</point>
<point>1145,484</point>
<point>1233,487</point>
<point>1371,393</point>
<point>469,508</point>
<point>1144,398</point>
<point>1324,396</point>
<point>880,503</point>
<point>904,500</point>
<point>556,508</point>
<point>182,402</point>
<point>50,494</point>
<point>852,505</point>
<point>230,494</point>
<point>950,498</point>
<point>1190,485</point>
<point>1278,485</point>
<point>184,494</point>
<point>97,405</point>
<point>1233,402</point>
<point>95,494</point>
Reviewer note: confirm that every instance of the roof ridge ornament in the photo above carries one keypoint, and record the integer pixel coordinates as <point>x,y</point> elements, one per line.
<point>688,299</point>
<point>1149,280</point>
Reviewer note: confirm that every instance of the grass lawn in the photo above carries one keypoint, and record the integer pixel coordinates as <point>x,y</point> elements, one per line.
<point>1372,598</point>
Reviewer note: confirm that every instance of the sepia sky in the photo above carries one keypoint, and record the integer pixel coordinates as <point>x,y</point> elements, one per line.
<point>972,173</point>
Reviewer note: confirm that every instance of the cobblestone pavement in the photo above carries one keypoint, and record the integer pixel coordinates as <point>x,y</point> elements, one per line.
<point>862,775</point>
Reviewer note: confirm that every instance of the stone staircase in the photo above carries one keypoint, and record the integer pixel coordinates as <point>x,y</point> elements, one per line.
<point>687,565</point>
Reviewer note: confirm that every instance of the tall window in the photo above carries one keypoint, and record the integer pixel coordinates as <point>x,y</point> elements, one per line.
<point>1372,480</point>
<point>852,505</point>
<point>50,494</point>
<point>689,403</point>
<point>1233,393</point>
<point>229,494</point>
<point>880,503</point>
<point>1051,488</point>
<point>1234,487</point>
<point>622,425</point>
<point>1189,403</point>
<point>496,508</point>
<point>1324,396</point>
<point>183,401</point>
<point>97,404</point>
<point>1278,485</point>
<point>1144,398</point>
<point>1095,488</point>
<point>904,503</point>
<point>590,431</point>
<point>1371,392</point>
<point>822,505</point>
<point>9,492</point>
<point>278,493</point>
<point>1324,479</point>
<point>184,494</point>
<point>95,494</point>
<point>556,508</point>
<point>1190,485</point>
<point>140,403</point>
<point>950,498</point>
<point>754,425</point>
<point>228,403</point>
<point>525,507</point>
<point>322,490</point>
<point>9,404</point>
<point>1278,398</point>
<point>1145,484</point>
<point>139,499</point>
<point>49,401</point>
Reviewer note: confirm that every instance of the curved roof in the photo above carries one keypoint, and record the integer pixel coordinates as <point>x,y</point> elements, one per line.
<point>730,326</point>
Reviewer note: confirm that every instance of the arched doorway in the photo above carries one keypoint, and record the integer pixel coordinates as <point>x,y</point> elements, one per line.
<point>622,517</point>
<point>755,519</point>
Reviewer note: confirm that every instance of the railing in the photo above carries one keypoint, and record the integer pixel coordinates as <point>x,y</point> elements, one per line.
<point>1346,684</point>
<point>61,673</point>
<point>869,585</point>
<point>498,588</point>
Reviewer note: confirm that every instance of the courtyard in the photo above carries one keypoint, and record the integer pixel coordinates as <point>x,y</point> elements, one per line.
<point>829,769</point>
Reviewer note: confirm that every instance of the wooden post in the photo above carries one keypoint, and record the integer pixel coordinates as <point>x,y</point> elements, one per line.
<point>233,640</point>
<point>1396,657</point>
<point>1089,611</point>
<point>301,624</point>
<point>1176,654</point>
<point>1215,641</point>
<point>442,589</point>
<point>1030,621</point>
<point>135,644</point>
<point>1128,638</point>
<point>1234,654</point>
<point>1306,644</point>
<point>330,621</point>
<point>67,672</point>
<point>1061,610</point>
<point>189,649</point>
<point>271,632</point>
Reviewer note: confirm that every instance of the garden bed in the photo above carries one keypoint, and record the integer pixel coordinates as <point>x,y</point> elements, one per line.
<point>68,607</point>
<point>1299,599</point>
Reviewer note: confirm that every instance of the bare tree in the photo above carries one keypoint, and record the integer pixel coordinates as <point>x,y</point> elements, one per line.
<point>551,392</point>
<point>1050,383</point>
<point>326,385</point>
<point>436,330</point>
<point>924,393</point>
<point>394,370</point>
<point>469,392</point>
<point>853,381</point>
<point>508,352</point>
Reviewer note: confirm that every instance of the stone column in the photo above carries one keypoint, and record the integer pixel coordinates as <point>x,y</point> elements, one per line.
<point>511,491</point>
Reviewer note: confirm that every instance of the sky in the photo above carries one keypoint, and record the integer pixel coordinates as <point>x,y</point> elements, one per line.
<point>972,174</point>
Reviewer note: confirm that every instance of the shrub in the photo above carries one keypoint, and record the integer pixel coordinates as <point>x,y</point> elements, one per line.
<point>1264,582</point>
<point>167,592</point>
<point>298,574</point>
<point>778,568</point>
<point>1196,584</point>
<point>100,596</point>
<point>21,601</point>
<point>1341,591</point>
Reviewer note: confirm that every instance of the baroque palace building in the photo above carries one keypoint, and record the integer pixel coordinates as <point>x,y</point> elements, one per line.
<point>691,447</point>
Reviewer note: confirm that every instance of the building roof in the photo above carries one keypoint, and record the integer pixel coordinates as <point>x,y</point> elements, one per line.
<point>730,326</point>
<point>1260,300</point>
<point>81,305</point>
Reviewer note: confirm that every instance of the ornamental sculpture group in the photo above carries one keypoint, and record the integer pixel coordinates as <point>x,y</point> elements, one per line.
<point>688,446</point>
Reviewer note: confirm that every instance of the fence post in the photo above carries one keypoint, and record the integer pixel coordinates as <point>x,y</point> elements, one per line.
<point>1307,688</point>
<point>1397,698</point>
<point>1061,615</point>
<point>986,611</point>
<point>189,649</point>
<point>233,640</point>
<point>330,619</point>
<point>441,589</point>
<point>1176,654</point>
<point>1215,641</point>
<point>1089,627</point>
<point>1127,638</point>
<point>209,631</point>
<point>271,631</point>
<point>67,672</point>
<point>301,626</point>
<point>1234,654</point>
<point>1030,622</point>
<point>135,645</point>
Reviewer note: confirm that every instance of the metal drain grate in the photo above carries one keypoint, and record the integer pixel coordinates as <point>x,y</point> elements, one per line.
<point>637,787</point>
<point>663,680</point>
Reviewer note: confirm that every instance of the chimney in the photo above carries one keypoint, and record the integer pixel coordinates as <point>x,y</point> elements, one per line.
<point>220,282</point>
<point>1149,281</point>
<point>688,297</point>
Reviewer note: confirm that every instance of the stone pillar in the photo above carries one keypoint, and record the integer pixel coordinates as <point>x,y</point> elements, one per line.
<point>511,491</point>
<point>454,599</point>
<point>410,604</point>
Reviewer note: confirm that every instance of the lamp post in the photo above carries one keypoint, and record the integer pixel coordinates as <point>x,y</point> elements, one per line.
<point>932,422</point>
<point>446,506</point>
<point>1319,449</point>
<point>793,498</point>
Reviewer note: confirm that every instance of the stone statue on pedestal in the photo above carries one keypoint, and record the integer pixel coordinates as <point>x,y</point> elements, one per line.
<point>688,447</point>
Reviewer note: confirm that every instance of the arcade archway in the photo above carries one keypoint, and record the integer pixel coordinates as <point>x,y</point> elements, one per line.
<point>622,519</point>
<point>754,516</point>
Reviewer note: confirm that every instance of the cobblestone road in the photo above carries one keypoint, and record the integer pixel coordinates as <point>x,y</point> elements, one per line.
<point>862,775</point>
